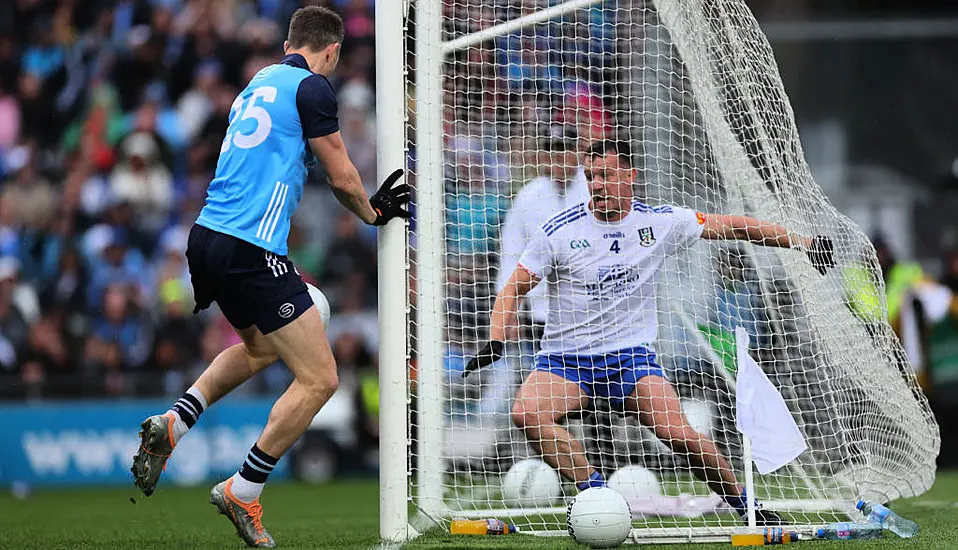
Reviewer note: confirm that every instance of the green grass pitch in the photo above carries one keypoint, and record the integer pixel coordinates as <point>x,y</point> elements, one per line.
<point>340,515</point>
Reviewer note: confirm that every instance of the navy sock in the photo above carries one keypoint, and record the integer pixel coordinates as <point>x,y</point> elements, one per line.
<point>189,408</point>
<point>595,480</point>
<point>740,503</point>
<point>258,466</point>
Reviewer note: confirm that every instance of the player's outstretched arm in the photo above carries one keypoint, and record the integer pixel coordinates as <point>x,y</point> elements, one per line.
<point>505,318</point>
<point>819,248</point>
<point>343,176</point>
<point>344,179</point>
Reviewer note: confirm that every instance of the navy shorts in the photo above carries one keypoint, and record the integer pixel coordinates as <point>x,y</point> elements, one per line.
<point>251,286</point>
<point>610,375</point>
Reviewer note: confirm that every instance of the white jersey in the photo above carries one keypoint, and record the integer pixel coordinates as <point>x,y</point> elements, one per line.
<point>603,274</point>
<point>535,203</point>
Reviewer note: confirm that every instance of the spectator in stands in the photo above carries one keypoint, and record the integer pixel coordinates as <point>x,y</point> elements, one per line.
<point>360,140</point>
<point>582,105</point>
<point>358,21</point>
<point>101,126</point>
<point>122,323</point>
<point>527,65</point>
<point>900,278</point>
<point>44,56</point>
<point>114,263</point>
<point>736,306</point>
<point>99,175</point>
<point>211,135</point>
<point>9,64</point>
<point>560,185</point>
<point>155,115</point>
<point>177,337</point>
<point>196,105</point>
<point>170,270</point>
<point>9,229</point>
<point>28,192</point>
<point>349,268</point>
<point>142,180</point>
<point>89,57</point>
<point>354,90</point>
<point>46,349</point>
<point>14,326</point>
<point>358,376</point>
<point>475,204</point>
<point>9,119</point>
<point>67,285</point>
<point>37,112</point>
<point>139,66</point>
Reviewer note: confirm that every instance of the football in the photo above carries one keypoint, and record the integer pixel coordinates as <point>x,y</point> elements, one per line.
<point>531,483</point>
<point>322,304</point>
<point>599,518</point>
<point>635,481</point>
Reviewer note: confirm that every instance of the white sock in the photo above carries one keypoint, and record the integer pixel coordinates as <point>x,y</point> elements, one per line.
<point>179,427</point>
<point>244,489</point>
<point>186,411</point>
<point>199,396</point>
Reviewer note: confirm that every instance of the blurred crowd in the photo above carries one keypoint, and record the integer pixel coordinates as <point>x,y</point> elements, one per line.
<point>112,113</point>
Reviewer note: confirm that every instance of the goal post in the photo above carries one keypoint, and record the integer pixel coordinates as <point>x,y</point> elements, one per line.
<point>393,341</point>
<point>489,88</point>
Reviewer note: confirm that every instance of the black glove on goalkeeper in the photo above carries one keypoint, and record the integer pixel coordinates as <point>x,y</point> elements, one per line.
<point>489,354</point>
<point>388,201</point>
<point>821,253</point>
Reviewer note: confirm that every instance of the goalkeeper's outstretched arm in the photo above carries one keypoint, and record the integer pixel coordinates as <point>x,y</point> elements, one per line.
<point>505,318</point>
<point>744,228</point>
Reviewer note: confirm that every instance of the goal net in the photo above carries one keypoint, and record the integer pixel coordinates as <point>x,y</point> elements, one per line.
<point>504,97</point>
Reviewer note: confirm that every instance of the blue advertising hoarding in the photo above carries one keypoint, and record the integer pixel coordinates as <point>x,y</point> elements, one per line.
<point>93,442</point>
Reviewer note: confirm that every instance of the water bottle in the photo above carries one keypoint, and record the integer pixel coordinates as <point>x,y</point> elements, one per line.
<point>768,536</point>
<point>888,519</point>
<point>849,531</point>
<point>481,527</point>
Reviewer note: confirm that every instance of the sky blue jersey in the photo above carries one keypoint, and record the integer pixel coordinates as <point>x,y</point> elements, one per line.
<point>264,157</point>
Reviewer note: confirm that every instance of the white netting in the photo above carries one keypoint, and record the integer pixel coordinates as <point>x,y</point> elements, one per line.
<point>694,88</point>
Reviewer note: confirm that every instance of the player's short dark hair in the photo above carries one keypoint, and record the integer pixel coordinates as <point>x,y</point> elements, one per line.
<point>619,148</point>
<point>315,27</point>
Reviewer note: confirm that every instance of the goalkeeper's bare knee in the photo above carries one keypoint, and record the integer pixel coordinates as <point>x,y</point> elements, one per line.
<point>530,418</point>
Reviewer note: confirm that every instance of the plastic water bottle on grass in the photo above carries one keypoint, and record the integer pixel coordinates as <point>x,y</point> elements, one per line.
<point>481,527</point>
<point>884,516</point>
<point>850,531</point>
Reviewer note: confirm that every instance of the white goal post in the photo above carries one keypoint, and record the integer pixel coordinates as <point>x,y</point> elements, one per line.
<point>473,97</point>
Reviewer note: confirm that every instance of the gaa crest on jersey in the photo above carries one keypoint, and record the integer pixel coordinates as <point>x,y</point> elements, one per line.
<point>646,236</point>
<point>576,244</point>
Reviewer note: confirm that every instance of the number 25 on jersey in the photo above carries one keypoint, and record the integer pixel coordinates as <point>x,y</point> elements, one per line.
<point>245,110</point>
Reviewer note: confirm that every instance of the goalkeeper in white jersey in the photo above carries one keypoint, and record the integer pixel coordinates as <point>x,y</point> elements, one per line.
<point>602,259</point>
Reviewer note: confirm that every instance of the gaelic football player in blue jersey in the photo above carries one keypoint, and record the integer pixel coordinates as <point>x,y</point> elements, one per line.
<point>285,117</point>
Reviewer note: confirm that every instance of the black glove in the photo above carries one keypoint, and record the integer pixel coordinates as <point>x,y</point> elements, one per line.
<point>388,201</point>
<point>821,253</point>
<point>491,353</point>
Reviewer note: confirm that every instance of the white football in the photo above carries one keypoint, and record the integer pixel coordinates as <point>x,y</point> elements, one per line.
<point>322,304</point>
<point>599,518</point>
<point>531,483</point>
<point>635,481</point>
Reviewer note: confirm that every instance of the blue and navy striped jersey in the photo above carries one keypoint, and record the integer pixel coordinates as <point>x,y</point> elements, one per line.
<point>264,157</point>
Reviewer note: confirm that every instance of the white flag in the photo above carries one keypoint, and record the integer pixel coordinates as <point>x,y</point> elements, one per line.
<point>762,415</point>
